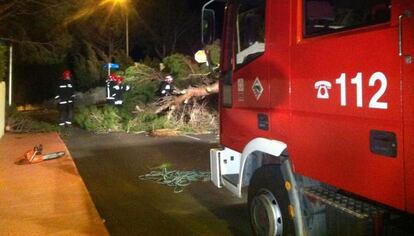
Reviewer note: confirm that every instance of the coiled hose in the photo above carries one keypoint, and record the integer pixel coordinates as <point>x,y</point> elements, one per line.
<point>175,178</point>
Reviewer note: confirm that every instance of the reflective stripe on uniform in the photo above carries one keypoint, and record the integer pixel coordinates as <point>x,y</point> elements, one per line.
<point>62,86</point>
<point>64,102</point>
<point>69,85</point>
<point>57,97</point>
<point>70,101</point>
<point>62,124</point>
<point>119,102</point>
<point>68,122</point>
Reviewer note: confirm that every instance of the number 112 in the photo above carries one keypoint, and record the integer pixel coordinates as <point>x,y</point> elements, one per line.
<point>357,81</point>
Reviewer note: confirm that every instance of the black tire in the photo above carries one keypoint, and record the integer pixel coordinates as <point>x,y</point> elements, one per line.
<point>268,203</point>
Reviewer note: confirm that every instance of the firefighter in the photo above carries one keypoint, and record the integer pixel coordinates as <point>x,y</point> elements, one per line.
<point>115,90</point>
<point>65,97</point>
<point>166,88</point>
<point>110,83</point>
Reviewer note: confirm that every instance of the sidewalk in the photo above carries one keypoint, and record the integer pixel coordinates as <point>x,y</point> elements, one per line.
<point>47,198</point>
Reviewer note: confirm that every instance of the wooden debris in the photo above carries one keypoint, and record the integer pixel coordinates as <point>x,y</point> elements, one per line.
<point>164,132</point>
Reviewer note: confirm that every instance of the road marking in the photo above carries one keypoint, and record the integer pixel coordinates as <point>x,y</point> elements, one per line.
<point>191,137</point>
<point>139,132</point>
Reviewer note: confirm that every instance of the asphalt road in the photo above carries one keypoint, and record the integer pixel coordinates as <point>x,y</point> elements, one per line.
<point>110,165</point>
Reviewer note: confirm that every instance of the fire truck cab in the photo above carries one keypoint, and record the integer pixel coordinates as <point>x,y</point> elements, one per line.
<point>317,114</point>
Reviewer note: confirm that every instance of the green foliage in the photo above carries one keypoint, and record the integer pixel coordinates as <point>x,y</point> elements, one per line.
<point>139,94</point>
<point>35,28</point>
<point>214,51</point>
<point>99,120</point>
<point>112,119</point>
<point>147,121</point>
<point>138,111</point>
<point>3,61</point>
<point>43,127</point>
<point>151,62</point>
<point>137,73</point>
<point>143,81</point>
<point>86,68</point>
<point>40,54</point>
<point>179,65</point>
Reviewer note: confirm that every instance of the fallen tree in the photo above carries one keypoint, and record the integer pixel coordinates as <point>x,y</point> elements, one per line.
<point>196,92</point>
<point>188,110</point>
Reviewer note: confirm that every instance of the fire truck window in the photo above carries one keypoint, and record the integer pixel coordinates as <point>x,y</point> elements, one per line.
<point>250,28</point>
<point>328,16</point>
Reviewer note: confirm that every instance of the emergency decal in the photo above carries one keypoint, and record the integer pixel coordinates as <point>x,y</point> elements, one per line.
<point>240,85</point>
<point>323,89</point>
<point>377,80</point>
<point>240,89</point>
<point>257,88</point>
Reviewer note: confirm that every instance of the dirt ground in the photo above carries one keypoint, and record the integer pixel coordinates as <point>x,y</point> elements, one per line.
<point>110,165</point>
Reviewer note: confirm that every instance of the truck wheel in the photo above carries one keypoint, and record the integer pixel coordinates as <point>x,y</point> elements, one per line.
<point>268,203</point>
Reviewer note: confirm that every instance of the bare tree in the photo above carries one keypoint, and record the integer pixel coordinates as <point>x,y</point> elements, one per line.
<point>166,25</point>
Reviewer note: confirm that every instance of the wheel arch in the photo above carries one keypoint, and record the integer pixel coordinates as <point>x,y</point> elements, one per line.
<point>254,154</point>
<point>262,151</point>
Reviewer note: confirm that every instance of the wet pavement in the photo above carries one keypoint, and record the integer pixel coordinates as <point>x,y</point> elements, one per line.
<point>110,165</point>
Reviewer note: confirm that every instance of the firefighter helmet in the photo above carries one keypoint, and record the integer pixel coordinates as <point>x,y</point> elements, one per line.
<point>67,74</point>
<point>112,77</point>
<point>118,79</point>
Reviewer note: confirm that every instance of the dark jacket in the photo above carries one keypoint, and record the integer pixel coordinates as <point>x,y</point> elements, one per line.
<point>114,92</point>
<point>165,89</point>
<point>65,92</point>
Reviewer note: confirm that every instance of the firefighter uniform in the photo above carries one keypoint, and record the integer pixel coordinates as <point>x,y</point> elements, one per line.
<point>115,90</point>
<point>65,97</point>
<point>166,88</point>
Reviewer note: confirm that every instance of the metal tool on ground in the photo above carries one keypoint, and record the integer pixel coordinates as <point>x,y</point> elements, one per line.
<point>35,155</point>
<point>175,178</point>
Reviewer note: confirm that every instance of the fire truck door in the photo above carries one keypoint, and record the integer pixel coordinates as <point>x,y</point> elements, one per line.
<point>245,91</point>
<point>406,52</point>
<point>346,98</point>
<point>250,78</point>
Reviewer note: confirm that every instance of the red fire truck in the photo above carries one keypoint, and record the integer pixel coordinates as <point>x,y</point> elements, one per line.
<point>317,114</point>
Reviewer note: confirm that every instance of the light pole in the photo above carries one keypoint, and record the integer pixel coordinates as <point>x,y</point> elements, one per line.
<point>126,33</point>
<point>123,4</point>
<point>10,74</point>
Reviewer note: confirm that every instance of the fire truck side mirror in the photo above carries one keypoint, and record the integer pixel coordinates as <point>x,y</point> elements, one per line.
<point>208,27</point>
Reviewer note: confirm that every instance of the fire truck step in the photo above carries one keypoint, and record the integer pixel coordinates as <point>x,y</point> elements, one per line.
<point>232,179</point>
<point>352,206</point>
